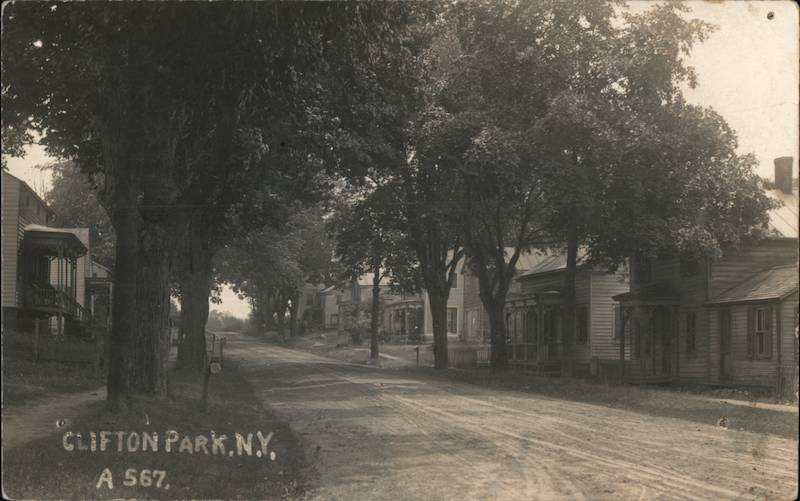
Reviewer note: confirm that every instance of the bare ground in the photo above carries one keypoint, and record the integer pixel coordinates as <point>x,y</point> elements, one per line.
<point>388,434</point>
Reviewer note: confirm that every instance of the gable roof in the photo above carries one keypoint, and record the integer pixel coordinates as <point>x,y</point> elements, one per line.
<point>783,220</point>
<point>11,178</point>
<point>772,284</point>
<point>552,262</point>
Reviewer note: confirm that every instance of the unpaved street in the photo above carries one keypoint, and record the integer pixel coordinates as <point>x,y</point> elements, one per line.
<point>378,434</point>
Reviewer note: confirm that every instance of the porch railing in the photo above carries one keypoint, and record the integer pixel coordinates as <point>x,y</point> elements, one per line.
<point>39,297</point>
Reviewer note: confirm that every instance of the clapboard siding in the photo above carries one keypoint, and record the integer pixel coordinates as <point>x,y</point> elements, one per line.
<point>10,240</point>
<point>604,286</point>
<point>736,266</point>
<point>789,353</point>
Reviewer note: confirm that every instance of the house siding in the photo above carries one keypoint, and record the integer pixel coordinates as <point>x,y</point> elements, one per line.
<point>10,237</point>
<point>601,312</point>
<point>789,344</point>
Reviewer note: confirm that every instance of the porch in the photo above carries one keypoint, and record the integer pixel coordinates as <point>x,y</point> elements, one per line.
<point>49,286</point>
<point>646,328</point>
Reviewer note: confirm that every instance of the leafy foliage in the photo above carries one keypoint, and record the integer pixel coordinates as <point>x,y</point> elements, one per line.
<point>74,201</point>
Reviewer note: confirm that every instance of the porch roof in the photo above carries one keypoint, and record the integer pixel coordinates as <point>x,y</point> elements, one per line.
<point>772,284</point>
<point>47,241</point>
<point>659,292</point>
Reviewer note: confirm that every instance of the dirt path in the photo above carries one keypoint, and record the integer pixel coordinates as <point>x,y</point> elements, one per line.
<point>381,435</point>
<point>40,417</point>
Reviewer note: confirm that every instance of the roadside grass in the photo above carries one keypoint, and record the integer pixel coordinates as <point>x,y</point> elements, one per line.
<point>25,379</point>
<point>45,470</point>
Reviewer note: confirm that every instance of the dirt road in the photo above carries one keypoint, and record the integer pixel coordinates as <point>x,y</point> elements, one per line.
<point>375,434</point>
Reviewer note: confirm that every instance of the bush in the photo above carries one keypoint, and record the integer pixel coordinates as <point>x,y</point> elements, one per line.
<point>357,335</point>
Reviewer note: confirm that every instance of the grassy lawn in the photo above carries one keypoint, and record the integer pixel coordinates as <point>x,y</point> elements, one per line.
<point>25,380</point>
<point>43,469</point>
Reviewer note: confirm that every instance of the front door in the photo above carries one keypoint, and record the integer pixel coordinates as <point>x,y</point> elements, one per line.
<point>725,371</point>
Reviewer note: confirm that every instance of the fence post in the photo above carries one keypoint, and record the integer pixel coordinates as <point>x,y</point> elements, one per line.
<point>36,339</point>
<point>221,346</point>
<point>96,335</point>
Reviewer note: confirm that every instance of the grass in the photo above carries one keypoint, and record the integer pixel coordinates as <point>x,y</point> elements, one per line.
<point>45,470</point>
<point>25,380</point>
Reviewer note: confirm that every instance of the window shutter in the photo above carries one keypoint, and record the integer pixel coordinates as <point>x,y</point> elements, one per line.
<point>750,332</point>
<point>769,334</point>
<point>616,322</point>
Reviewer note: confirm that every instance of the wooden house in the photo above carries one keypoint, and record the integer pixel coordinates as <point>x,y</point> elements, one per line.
<point>725,321</point>
<point>534,318</point>
<point>404,316</point>
<point>330,298</point>
<point>40,270</point>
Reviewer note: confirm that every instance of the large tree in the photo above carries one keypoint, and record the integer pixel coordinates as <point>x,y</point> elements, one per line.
<point>369,241</point>
<point>147,99</point>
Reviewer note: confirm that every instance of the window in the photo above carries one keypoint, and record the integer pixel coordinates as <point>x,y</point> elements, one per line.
<point>691,332</point>
<point>452,319</point>
<point>581,325</point>
<point>759,333</point>
<point>338,299</point>
<point>310,300</point>
<point>454,285</point>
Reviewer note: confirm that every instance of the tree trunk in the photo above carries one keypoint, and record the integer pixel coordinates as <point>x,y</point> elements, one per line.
<point>438,304</point>
<point>568,329</point>
<point>195,290</point>
<point>293,309</point>
<point>375,315</point>
<point>124,315</point>
<point>497,325</point>
<point>280,317</point>
<point>152,342</point>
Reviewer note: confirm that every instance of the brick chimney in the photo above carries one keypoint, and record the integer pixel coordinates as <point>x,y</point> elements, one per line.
<point>783,174</point>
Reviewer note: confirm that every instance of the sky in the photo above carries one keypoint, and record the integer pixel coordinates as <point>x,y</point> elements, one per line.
<point>747,71</point>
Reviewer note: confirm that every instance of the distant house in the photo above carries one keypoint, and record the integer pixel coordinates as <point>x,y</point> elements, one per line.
<point>534,317</point>
<point>44,268</point>
<point>727,321</point>
<point>404,316</point>
<point>330,297</point>
<point>356,296</point>
<point>475,319</point>
<point>309,306</point>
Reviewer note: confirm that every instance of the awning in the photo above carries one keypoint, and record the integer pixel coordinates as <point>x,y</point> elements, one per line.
<point>657,293</point>
<point>52,241</point>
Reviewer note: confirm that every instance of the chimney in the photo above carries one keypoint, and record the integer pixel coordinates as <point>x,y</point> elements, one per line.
<point>783,174</point>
